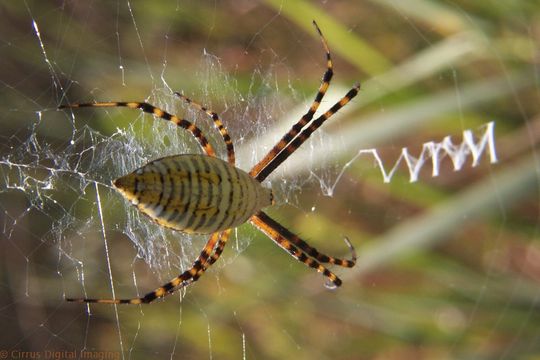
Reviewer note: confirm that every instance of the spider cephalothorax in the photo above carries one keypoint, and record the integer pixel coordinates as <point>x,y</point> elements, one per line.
<point>199,193</point>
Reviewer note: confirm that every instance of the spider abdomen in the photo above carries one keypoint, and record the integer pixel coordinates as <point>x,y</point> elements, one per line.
<point>194,193</point>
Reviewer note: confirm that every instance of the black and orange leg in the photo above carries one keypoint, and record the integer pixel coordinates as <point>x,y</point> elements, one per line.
<point>304,246</point>
<point>291,134</point>
<point>223,238</point>
<point>217,123</point>
<point>305,134</point>
<point>259,221</point>
<point>162,114</point>
<point>187,277</point>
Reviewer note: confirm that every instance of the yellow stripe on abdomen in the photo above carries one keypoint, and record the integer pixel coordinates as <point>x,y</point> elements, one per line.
<point>194,193</point>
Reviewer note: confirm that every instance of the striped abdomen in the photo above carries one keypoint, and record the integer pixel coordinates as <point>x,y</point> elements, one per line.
<point>194,193</point>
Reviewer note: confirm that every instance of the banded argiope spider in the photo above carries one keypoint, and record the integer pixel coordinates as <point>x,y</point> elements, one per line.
<point>197,193</point>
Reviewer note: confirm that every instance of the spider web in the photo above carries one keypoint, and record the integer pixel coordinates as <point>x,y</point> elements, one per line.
<point>466,138</point>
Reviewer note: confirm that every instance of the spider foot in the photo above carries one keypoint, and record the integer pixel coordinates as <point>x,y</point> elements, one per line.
<point>353,251</point>
<point>182,96</point>
<point>333,284</point>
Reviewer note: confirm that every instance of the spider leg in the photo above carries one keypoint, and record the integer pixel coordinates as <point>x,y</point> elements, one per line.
<point>304,135</point>
<point>187,277</point>
<point>311,251</point>
<point>291,134</point>
<point>224,237</point>
<point>260,221</point>
<point>218,124</point>
<point>162,114</point>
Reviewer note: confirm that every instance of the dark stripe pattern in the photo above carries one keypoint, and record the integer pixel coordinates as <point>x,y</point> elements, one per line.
<point>327,76</point>
<point>162,114</point>
<point>203,194</point>
<point>217,123</point>
<point>293,145</point>
<point>194,193</point>
<point>263,222</point>
<point>302,245</point>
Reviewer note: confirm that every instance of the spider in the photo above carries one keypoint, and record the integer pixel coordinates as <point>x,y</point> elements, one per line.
<point>200,193</point>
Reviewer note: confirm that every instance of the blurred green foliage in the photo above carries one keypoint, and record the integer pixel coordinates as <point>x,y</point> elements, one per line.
<point>448,266</point>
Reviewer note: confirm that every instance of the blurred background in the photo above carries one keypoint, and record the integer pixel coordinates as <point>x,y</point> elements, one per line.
<point>449,266</point>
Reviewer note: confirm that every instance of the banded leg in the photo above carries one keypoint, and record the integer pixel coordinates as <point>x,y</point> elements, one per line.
<point>304,135</point>
<point>168,288</point>
<point>259,221</point>
<point>162,114</point>
<point>223,238</point>
<point>311,251</point>
<point>289,136</point>
<point>218,124</point>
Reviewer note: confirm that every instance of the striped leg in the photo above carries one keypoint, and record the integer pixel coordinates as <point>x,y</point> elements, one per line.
<point>304,135</point>
<point>168,288</point>
<point>259,220</point>
<point>218,124</point>
<point>150,109</point>
<point>223,238</point>
<point>311,251</point>
<point>289,136</point>
<point>187,277</point>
